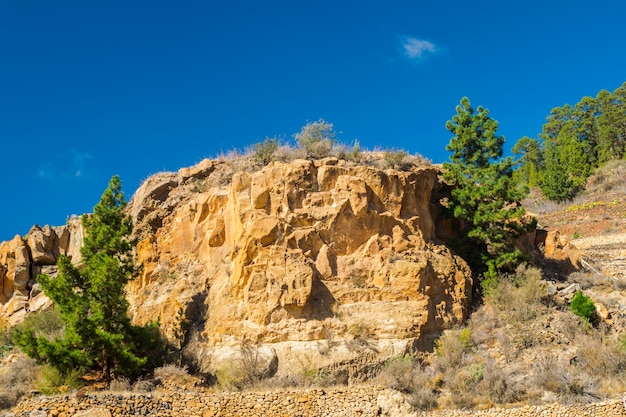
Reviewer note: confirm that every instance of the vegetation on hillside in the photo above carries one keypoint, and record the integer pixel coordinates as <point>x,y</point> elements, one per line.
<point>574,141</point>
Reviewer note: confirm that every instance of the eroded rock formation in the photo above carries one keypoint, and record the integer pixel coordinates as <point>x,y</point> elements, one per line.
<point>23,258</point>
<point>307,255</point>
<point>317,262</point>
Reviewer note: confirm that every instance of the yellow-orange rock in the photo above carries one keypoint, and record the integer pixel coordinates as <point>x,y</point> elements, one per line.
<point>295,254</point>
<point>22,258</point>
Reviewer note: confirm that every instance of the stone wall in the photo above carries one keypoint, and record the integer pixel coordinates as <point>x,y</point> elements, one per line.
<point>355,401</point>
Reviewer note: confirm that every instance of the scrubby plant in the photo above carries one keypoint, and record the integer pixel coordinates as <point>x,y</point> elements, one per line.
<point>317,139</point>
<point>45,323</point>
<point>451,348</point>
<point>406,375</point>
<point>583,306</point>
<point>394,159</point>
<point>174,376</point>
<point>52,381</point>
<point>571,383</point>
<point>263,152</point>
<point>518,296</point>
<point>16,379</point>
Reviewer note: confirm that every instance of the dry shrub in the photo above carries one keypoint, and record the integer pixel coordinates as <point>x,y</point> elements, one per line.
<point>588,280</point>
<point>600,354</point>
<point>404,374</point>
<point>518,297</point>
<point>248,369</point>
<point>394,159</point>
<point>462,385</point>
<point>608,177</point>
<point>143,385</point>
<point>172,376</point>
<point>121,384</point>
<point>263,152</point>
<point>286,153</point>
<point>569,382</point>
<point>16,379</point>
<point>498,385</point>
<point>352,154</point>
<point>46,323</point>
<point>451,348</point>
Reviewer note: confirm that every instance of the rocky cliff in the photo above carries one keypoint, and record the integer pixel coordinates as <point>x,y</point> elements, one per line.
<point>318,262</point>
<point>308,257</point>
<point>23,258</point>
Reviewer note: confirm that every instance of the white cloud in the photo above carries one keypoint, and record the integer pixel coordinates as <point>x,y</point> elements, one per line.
<point>417,48</point>
<point>67,165</point>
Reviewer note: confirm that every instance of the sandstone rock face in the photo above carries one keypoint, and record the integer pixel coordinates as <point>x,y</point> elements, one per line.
<point>23,258</point>
<point>313,263</point>
<point>306,257</point>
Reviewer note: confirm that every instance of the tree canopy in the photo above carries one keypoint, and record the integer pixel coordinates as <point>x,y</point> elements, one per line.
<point>574,141</point>
<point>485,197</point>
<point>98,333</point>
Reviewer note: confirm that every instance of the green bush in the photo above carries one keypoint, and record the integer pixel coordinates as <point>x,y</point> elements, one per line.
<point>46,323</point>
<point>393,159</point>
<point>51,381</point>
<point>317,139</point>
<point>582,306</point>
<point>264,151</point>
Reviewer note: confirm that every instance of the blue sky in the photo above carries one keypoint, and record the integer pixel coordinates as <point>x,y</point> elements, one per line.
<point>89,89</point>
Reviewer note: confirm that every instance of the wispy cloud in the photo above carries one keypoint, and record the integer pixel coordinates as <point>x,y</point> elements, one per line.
<point>415,48</point>
<point>69,165</point>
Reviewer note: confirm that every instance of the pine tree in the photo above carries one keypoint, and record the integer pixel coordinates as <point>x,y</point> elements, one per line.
<point>485,196</point>
<point>98,333</point>
<point>528,151</point>
<point>556,184</point>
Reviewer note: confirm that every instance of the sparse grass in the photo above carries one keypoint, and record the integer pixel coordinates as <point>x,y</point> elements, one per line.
<point>359,330</point>
<point>51,381</point>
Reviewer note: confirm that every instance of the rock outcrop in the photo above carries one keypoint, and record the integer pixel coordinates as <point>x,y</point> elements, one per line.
<point>23,258</point>
<point>312,263</point>
<point>307,257</point>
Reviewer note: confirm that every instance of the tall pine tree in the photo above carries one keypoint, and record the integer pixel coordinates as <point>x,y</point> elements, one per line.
<point>98,333</point>
<point>485,197</point>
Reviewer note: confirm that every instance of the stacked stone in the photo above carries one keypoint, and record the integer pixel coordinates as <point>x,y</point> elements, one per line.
<point>336,402</point>
<point>603,409</point>
<point>110,405</point>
